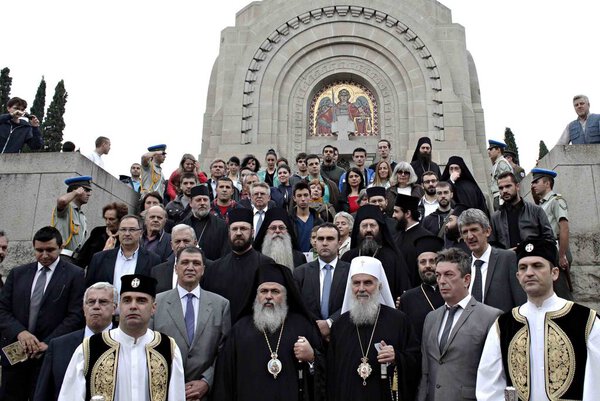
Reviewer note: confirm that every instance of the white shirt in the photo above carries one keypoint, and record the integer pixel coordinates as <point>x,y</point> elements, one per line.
<point>322,272</point>
<point>124,266</point>
<point>463,304</point>
<point>491,378</point>
<point>255,217</point>
<point>430,207</point>
<point>486,261</point>
<point>174,279</point>
<point>49,274</point>
<point>96,158</point>
<point>132,373</point>
<point>195,300</point>
<point>345,247</point>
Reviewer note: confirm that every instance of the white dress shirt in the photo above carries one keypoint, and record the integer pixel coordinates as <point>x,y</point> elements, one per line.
<point>195,301</point>
<point>123,266</point>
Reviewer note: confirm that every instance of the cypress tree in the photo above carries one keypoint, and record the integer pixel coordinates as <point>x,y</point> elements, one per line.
<point>509,140</point>
<point>543,150</point>
<point>39,103</point>
<point>54,124</point>
<point>5,83</point>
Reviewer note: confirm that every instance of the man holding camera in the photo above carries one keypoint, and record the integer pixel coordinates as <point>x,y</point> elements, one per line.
<point>18,128</point>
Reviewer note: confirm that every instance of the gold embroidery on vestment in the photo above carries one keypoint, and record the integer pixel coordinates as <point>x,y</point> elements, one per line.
<point>518,358</point>
<point>589,325</point>
<point>159,371</point>
<point>104,371</point>
<point>559,358</point>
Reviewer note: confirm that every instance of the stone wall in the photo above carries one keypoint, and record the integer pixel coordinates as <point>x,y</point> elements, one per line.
<point>578,181</point>
<point>30,183</point>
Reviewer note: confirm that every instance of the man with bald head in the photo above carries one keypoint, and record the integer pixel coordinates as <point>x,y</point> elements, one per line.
<point>155,239</point>
<point>374,337</point>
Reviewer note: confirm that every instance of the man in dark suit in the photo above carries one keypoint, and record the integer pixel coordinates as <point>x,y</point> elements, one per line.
<point>182,236</point>
<point>196,319</point>
<point>99,305</point>
<point>322,283</point>
<point>155,239</point>
<point>454,334</point>
<point>129,258</point>
<point>493,271</point>
<point>40,301</point>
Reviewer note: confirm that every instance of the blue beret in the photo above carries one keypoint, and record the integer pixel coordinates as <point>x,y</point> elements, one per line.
<point>84,181</point>
<point>157,147</point>
<point>494,144</point>
<point>542,172</point>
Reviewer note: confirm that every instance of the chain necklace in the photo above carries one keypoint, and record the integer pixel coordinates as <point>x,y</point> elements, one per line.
<point>427,298</point>
<point>274,365</point>
<point>364,369</point>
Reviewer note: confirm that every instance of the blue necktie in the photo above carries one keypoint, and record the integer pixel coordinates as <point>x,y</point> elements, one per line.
<point>189,317</point>
<point>326,291</point>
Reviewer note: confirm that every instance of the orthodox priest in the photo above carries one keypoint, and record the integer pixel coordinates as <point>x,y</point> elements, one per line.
<point>373,353</point>
<point>131,362</point>
<point>276,239</point>
<point>232,275</point>
<point>372,237</point>
<point>273,350</point>
<point>419,301</point>
<point>547,348</point>
<point>421,160</point>
<point>466,190</point>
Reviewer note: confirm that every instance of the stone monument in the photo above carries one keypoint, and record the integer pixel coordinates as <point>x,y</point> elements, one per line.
<point>295,75</point>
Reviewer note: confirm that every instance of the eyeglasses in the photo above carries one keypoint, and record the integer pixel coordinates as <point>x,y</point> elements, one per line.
<point>102,302</point>
<point>402,172</point>
<point>277,228</point>
<point>129,230</point>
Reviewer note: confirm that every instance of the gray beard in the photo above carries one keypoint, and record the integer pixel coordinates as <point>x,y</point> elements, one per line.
<point>368,247</point>
<point>199,214</point>
<point>364,313</point>
<point>279,248</point>
<point>269,319</point>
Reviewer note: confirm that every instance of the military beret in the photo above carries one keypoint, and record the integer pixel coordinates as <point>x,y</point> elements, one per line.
<point>496,144</point>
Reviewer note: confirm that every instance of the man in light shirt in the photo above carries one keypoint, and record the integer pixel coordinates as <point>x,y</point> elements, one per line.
<point>102,148</point>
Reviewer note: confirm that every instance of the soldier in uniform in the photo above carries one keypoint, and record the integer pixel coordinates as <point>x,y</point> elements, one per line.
<point>69,219</point>
<point>512,159</point>
<point>499,166</point>
<point>555,206</point>
<point>152,178</point>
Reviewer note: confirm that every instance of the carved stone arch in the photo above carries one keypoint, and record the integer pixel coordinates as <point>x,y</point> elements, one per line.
<point>278,45</point>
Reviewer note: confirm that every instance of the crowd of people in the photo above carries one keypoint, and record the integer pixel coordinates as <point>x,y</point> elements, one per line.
<point>304,281</point>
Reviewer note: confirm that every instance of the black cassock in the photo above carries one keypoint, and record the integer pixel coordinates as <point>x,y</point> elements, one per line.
<point>241,369</point>
<point>469,194</point>
<point>344,356</point>
<point>406,243</point>
<point>232,277</point>
<point>394,266</point>
<point>212,235</point>
<point>414,303</point>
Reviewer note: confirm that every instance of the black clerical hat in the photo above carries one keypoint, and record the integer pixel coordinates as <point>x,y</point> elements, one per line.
<point>240,214</point>
<point>199,190</point>
<point>407,202</point>
<point>428,243</point>
<point>538,247</point>
<point>375,191</point>
<point>138,283</point>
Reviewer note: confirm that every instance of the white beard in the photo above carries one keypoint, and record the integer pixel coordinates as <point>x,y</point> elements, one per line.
<point>269,319</point>
<point>199,214</point>
<point>364,313</point>
<point>279,248</point>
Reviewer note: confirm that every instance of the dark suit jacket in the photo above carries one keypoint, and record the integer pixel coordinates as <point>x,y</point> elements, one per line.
<point>102,266</point>
<point>163,248</point>
<point>502,289</point>
<point>61,308</point>
<point>451,374</point>
<point>307,277</point>
<point>57,358</point>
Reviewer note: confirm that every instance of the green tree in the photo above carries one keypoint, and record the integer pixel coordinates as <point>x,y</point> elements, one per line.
<point>543,150</point>
<point>5,83</point>
<point>509,140</point>
<point>39,103</point>
<point>54,124</point>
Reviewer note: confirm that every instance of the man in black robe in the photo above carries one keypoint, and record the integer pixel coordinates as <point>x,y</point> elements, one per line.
<point>232,275</point>
<point>466,190</point>
<point>408,231</point>
<point>371,237</point>
<point>375,338</point>
<point>273,351</point>
<point>421,300</point>
<point>276,239</point>
<point>211,231</point>
<point>421,160</point>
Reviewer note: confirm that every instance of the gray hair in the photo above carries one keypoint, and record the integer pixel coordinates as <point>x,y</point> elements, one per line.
<point>455,255</point>
<point>102,285</point>
<point>584,97</point>
<point>252,174</point>
<point>362,195</point>
<point>346,216</point>
<point>473,216</point>
<point>260,185</point>
<point>183,227</point>
<point>403,166</point>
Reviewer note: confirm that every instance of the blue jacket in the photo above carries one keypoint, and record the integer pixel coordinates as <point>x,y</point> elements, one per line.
<point>12,138</point>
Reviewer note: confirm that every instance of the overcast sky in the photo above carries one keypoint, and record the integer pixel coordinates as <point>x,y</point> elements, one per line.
<point>138,71</point>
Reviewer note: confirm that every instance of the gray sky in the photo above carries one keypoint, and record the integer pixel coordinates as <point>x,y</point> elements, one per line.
<point>138,71</point>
